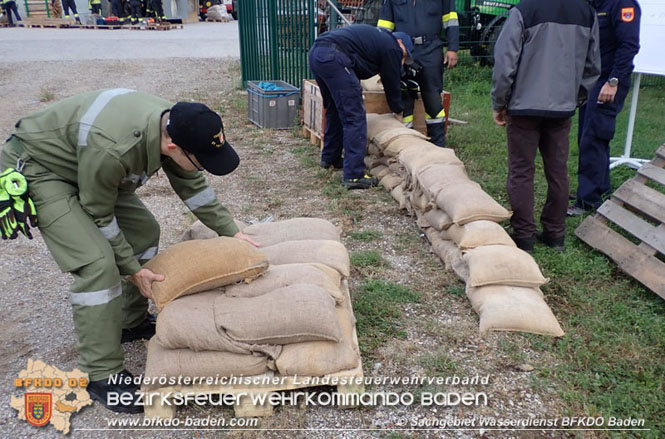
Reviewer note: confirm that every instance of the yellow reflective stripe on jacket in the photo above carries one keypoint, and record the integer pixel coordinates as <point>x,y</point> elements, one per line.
<point>386,25</point>
<point>407,119</point>
<point>438,119</point>
<point>450,19</point>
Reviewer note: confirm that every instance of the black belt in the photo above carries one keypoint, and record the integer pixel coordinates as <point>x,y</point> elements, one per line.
<point>422,39</point>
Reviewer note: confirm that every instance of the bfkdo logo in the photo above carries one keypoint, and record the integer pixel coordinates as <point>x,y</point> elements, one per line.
<point>38,408</point>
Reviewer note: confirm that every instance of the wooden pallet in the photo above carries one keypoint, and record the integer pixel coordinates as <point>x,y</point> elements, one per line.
<point>153,26</point>
<point>314,138</point>
<point>47,23</point>
<point>638,210</point>
<point>218,20</point>
<point>244,406</point>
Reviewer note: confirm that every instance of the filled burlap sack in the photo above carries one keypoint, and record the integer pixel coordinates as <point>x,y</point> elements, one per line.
<point>286,315</point>
<point>448,252</point>
<point>398,195</point>
<point>379,171</point>
<point>466,201</point>
<point>198,230</point>
<point>162,362</point>
<point>431,179</point>
<point>390,181</point>
<point>377,123</point>
<point>373,150</point>
<point>317,358</point>
<point>216,12</point>
<point>415,159</point>
<point>279,276</point>
<point>386,137</point>
<point>372,84</point>
<point>478,233</point>
<point>295,229</point>
<point>403,143</point>
<point>438,219</point>
<point>502,265</point>
<point>204,264</point>
<point>326,252</point>
<point>419,200</point>
<point>189,323</point>
<point>510,308</point>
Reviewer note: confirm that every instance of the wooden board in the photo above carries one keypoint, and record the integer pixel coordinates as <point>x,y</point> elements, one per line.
<point>245,408</point>
<point>638,210</point>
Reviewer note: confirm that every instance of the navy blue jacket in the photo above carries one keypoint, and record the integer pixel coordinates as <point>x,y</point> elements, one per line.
<point>619,23</point>
<point>372,51</point>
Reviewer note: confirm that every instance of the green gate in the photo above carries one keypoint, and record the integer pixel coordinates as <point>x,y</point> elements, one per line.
<point>275,36</point>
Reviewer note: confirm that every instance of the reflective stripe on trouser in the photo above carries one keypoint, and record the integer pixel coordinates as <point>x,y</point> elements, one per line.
<point>100,308</point>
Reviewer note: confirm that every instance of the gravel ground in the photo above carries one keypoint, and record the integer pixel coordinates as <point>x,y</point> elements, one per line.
<point>35,314</point>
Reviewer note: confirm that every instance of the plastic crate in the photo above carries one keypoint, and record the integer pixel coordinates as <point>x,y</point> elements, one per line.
<point>273,108</point>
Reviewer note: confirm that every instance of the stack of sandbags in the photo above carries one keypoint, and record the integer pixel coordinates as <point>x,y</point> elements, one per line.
<point>372,84</point>
<point>294,318</point>
<point>461,222</point>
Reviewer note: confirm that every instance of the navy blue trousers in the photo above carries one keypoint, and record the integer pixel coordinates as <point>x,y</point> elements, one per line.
<point>597,123</point>
<point>346,124</point>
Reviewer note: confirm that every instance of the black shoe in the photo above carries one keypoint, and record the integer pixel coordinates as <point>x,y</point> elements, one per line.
<point>337,164</point>
<point>572,196</point>
<point>365,182</point>
<point>525,243</point>
<point>99,391</point>
<point>576,210</point>
<point>557,243</point>
<point>145,329</point>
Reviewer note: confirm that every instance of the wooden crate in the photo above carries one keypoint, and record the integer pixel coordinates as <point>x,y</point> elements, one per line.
<point>313,113</point>
<point>244,407</point>
<point>638,210</point>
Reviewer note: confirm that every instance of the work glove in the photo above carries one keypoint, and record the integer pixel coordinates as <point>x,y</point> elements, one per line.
<point>16,186</point>
<point>8,224</point>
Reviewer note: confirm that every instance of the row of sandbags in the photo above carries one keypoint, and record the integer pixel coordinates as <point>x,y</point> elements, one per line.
<point>228,308</point>
<point>461,222</point>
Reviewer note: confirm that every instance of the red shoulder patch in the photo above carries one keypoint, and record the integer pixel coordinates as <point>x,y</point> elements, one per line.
<point>627,14</point>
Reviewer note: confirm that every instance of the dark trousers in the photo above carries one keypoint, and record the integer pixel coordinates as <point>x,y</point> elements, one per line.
<point>526,135</point>
<point>67,5</point>
<point>96,8</point>
<point>597,123</point>
<point>157,8</point>
<point>116,8</point>
<point>10,7</point>
<point>135,8</point>
<point>430,56</point>
<point>346,124</point>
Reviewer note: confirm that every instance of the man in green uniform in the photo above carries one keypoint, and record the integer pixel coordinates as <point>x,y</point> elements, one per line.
<point>83,158</point>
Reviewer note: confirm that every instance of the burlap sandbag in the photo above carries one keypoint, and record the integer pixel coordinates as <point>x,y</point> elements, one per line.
<point>317,358</point>
<point>390,181</point>
<point>403,143</point>
<point>477,233</point>
<point>438,219</point>
<point>448,252</point>
<point>279,276</point>
<point>502,265</point>
<point>396,168</point>
<point>162,362</point>
<point>398,195</point>
<point>466,201</point>
<point>373,150</point>
<point>204,264</point>
<point>295,229</point>
<point>189,323</point>
<point>379,171</point>
<point>286,315</point>
<point>372,84</point>
<point>198,230</point>
<point>377,123</point>
<point>330,253</point>
<point>415,159</point>
<point>510,308</point>
<point>386,137</point>
<point>419,200</point>
<point>431,179</point>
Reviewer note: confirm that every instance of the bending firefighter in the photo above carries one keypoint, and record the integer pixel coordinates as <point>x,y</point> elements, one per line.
<point>83,158</point>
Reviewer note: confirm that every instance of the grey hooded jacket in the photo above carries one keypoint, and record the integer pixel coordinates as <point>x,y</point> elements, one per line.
<point>546,58</point>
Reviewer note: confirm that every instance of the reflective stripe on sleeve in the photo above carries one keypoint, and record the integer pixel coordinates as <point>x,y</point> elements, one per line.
<point>386,24</point>
<point>97,106</point>
<point>111,230</point>
<point>441,117</point>
<point>449,16</point>
<point>148,254</point>
<point>453,22</point>
<point>92,298</point>
<point>201,199</point>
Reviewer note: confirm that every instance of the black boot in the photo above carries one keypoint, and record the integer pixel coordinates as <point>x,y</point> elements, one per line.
<point>525,243</point>
<point>437,133</point>
<point>145,330</point>
<point>557,243</point>
<point>120,383</point>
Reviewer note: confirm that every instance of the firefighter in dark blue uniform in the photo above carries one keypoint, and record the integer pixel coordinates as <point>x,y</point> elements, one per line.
<point>425,21</point>
<point>339,59</point>
<point>619,25</point>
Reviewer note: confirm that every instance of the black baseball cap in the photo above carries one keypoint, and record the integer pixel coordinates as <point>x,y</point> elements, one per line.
<point>199,131</point>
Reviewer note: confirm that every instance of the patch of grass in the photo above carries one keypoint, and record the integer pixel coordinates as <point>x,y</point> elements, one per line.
<point>46,94</point>
<point>365,235</point>
<point>306,156</point>
<point>367,258</point>
<point>376,304</point>
<point>457,290</point>
<point>439,363</point>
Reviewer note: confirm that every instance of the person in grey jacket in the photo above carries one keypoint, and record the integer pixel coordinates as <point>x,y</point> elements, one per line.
<point>546,61</point>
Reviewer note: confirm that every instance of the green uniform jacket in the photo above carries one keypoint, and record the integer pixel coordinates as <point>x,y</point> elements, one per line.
<point>107,142</point>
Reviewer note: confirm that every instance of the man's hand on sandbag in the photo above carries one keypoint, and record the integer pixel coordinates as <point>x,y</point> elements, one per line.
<point>244,237</point>
<point>143,280</point>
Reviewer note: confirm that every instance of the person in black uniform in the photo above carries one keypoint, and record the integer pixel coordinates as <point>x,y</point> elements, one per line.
<point>70,4</point>
<point>339,59</point>
<point>425,22</point>
<point>619,25</point>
